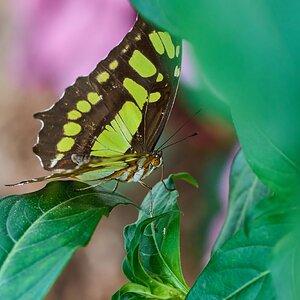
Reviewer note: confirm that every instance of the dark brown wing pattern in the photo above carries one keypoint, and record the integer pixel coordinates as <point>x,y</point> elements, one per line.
<point>121,107</point>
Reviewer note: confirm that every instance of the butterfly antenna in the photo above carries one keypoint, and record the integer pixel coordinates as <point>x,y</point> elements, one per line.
<point>179,141</point>
<point>178,129</point>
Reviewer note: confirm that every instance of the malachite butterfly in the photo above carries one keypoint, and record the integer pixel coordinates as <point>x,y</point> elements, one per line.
<point>106,125</point>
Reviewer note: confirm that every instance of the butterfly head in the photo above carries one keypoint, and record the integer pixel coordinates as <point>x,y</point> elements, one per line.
<point>156,160</point>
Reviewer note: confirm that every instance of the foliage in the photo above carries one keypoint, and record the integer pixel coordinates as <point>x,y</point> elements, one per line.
<point>40,231</point>
<point>152,263</point>
<point>249,58</point>
<point>240,262</point>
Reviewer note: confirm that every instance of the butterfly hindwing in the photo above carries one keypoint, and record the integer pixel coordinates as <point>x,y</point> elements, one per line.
<point>93,169</point>
<point>121,107</point>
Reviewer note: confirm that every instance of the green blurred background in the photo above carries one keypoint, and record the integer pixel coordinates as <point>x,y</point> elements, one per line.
<point>45,45</point>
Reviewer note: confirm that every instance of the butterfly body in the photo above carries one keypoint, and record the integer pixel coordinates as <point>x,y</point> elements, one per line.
<point>134,170</point>
<point>106,125</point>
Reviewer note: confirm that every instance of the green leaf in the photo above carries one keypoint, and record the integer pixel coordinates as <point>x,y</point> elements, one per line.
<point>285,265</point>
<point>285,260</point>
<point>240,268</point>
<point>249,57</point>
<point>186,177</point>
<point>210,105</point>
<point>245,190</point>
<point>152,263</point>
<point>40,231</point>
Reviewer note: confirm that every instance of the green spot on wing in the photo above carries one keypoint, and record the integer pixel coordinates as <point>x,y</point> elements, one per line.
<point>59,156</point>
<point>102,77</point>
<point>71,129</point>
<point>65,144</point>
<point>93,98</point>
<point>83,106</point>
<point>113,65</point>
<point>74,114</point>
<point>154,96</point>
<point>137,91</point>
<point>156,42</point>
<point>131,116</point>
<point>167,41</point>
<point>177,71</point>
<point>141,64</point>
<point>160,77</point>
<point>177,51</point>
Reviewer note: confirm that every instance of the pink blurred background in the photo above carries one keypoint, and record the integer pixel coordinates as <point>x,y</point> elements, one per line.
<point>45,45</point>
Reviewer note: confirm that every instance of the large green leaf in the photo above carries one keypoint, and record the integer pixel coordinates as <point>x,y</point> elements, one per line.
<point>40,231</point>
<point>245,190</point>
<point>249,57</point>
<point>241,265</point>
<point>285,260</point>
<point>210,105</point>
<point>240,268</point>
<point>152,263</point>
<point>286,267</point>
<point>285,264</point>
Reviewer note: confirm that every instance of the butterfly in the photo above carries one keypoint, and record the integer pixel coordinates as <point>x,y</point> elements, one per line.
<point>106,125</point>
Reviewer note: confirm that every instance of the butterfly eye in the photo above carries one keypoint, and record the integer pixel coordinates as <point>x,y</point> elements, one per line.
<point>155,161</point>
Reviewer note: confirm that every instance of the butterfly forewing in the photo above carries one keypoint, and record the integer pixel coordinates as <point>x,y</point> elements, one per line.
<point>120,108</point>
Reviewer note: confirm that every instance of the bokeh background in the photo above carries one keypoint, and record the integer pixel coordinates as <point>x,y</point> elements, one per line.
<point>45,45</point>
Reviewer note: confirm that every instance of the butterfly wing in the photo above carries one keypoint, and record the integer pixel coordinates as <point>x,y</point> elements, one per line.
<point>165,52</point>
<point>121,107</point>
<point>95,169</point>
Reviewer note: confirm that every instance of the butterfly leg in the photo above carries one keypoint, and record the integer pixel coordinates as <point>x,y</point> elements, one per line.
<point>162,179</point>
<point>151,198</point>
